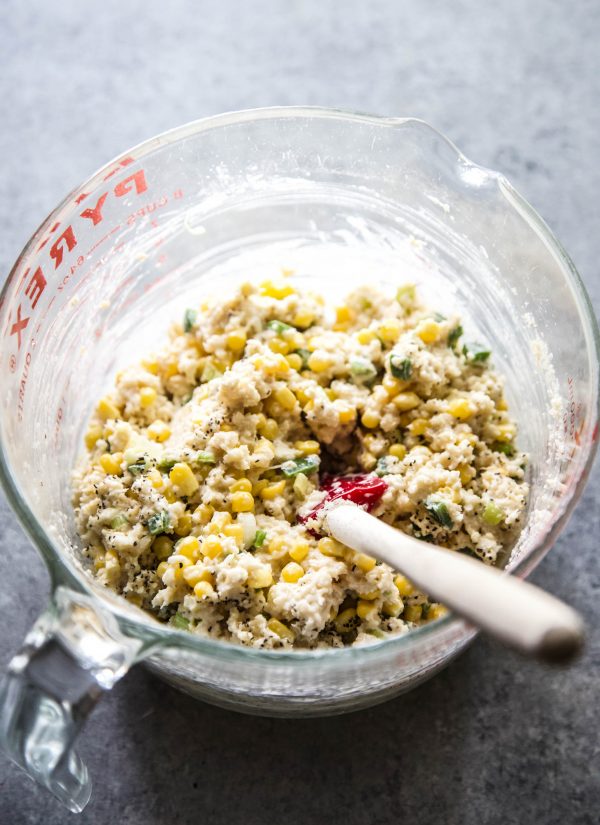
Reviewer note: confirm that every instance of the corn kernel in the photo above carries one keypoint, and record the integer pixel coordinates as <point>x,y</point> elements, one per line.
<point>170,494</point>
<point>501,404</point>
<point>279,346</point>
<point>268,428</point>
<point>370,419</point>
<point>188,547</point>
<point>242,502</point>
<point>365,609</point>
<point>197,573</point>
<point>147,396</point>
<point>302,396</point>
<point>371,595</point>
<point>158,431</point>
<point>343,315</point>
<point>393,385</point>
<point>106,409</point>
<point>345,621</point>
<point>203,513</point>
<point>235,531</point>
<point>236,340</point>
<point>155,478</point>
<point>162,547</point>
<point>405,401</point>
<point>220,520</point>
<point>162,569</point>
<point>466,473</point>
<point>294,360</point>
<point>292,572</point>
<point>319,362</point>
<point>398,451</point>
<point>412,613</point>
<point>461,408</point>
<point>243,485</point>
<point>278,545</point>
<point>346,413</point>
<point>171,369</point>
<point>259,486</point>
<point>436,611</point>
<point>428,331</point>
<point>299,551</point>
<point>272,490</point>
<point>392,608</point>
<point>276,289</point>
<point>403,586</point>
<point>93,434</point>
<point>418,426</point>
<point>389,331</point>
<point>260,577</point>
<point>285,397</point>
<point>183,478</point>
<point>331,547</point>
<point>365,336</point>
<point>505,432</point>
<point>111,463</point>
<point>366,563</point>
<point>204,590</point>
<point>303,320</point>
<point>281,630</point>
<point>184,525</point>
<point>150,366</point>
<point>211,547</point>
<point>307,447</point>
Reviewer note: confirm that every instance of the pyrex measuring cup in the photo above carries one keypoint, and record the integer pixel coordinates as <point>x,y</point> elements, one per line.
<point>341,198</point>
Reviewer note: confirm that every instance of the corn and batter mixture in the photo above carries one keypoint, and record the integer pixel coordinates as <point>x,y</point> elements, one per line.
<point>205,463</point>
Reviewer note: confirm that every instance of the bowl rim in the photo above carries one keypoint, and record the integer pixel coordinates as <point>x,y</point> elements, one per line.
<point>157,635</point>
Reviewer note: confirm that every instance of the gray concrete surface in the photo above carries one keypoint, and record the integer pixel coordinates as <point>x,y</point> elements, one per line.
<point>494,739</point>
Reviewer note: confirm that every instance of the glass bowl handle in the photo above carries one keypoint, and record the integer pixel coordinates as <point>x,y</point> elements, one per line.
<point>74,652</point>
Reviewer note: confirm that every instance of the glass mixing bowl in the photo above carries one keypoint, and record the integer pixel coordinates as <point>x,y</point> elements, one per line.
<point>340,198</point>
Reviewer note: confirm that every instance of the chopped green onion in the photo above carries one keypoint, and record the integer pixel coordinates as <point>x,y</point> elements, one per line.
<point>438,511</point>
<point>180,622</point>
<point>382,467</point>
<point>375,631</point>
<point>118,522</point>
<point>166,463</point>
<point>208,373</point>
<point>305,355</point>
<point>259,538</point>
<point>279,327</point>
<point>476,352</point>
<point>159,523</point>
<point>502,447</point>
<point>406,295</point>
<point>439,317</point>
<point>400,367</point>
<point>138,467</point>
<point>363,369</point>
<point>454,335</point>
<point>492,514</point>
<point>204,457</point>
<point>300,465</point>
<point>189,319</point>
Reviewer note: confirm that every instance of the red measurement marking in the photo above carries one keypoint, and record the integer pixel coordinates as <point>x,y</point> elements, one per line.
<point>57,251</point>
<point>19,325</point>
<point>80,198</point>
<point>35,287</point>
<point>95,214</point>
<point>12,363</point>
<point>125,162</point>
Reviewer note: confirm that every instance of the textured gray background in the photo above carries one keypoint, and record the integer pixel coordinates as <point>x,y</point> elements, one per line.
<point>493,739</point>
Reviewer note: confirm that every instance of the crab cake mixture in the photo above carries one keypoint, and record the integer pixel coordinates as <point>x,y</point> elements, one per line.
<point>207,461</point>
